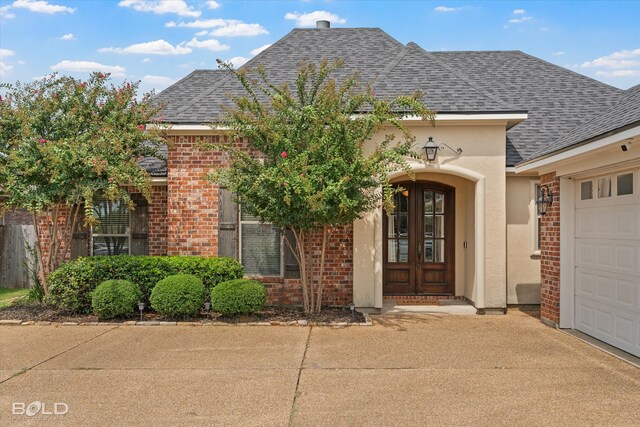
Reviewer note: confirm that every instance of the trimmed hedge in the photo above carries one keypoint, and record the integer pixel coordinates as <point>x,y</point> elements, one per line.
<point>115,298</point>
<point>241,296</point>
<point>71,284</point>
<point>181,295</point>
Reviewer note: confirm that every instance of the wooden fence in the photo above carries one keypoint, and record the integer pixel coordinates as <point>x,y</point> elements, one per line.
<point>15,255</point>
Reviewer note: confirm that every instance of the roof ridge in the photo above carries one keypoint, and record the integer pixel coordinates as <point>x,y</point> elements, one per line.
<point>567,70</point>
<point>224,79</point>
<point>390,66</point>
<point>463,77</point>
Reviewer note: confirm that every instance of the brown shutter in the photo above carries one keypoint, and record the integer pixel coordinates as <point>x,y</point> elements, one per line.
<point>140,226</point>
<point>227,224</point>
<point>291,267</point>
<point>80,238</point>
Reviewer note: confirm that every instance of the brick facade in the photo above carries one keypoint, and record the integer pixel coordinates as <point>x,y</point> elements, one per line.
<point>158,221</point>
<point>192,218</point>
<point>550,254</point>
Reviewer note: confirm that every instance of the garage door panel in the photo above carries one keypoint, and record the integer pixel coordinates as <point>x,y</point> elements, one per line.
<point>607,269</point>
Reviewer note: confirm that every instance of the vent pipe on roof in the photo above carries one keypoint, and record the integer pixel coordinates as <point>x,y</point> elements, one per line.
<point>323,24</point>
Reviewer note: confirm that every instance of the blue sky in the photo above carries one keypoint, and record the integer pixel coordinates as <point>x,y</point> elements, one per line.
<point>159,42</point>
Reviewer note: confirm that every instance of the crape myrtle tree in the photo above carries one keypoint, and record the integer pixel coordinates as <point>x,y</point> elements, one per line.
<point>314,173</point>
<point>66,142</point>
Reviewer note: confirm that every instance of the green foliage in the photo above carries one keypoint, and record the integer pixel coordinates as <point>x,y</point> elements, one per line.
<point>316,172</point>
<point>64,141</point>
<point>115,298</point>
<point>240,296</point>
<point>181,295</point>
<point>72,283</point>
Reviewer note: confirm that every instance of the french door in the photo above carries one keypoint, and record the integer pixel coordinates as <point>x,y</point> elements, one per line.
<point>418,248</point>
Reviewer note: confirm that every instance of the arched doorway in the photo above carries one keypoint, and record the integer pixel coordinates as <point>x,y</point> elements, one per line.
<point>419,241</point>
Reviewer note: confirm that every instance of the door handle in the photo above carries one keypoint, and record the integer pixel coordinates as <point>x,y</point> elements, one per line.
<point>419,252</point>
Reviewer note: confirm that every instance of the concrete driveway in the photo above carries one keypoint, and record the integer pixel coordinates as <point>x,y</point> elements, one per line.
<point>413,370</point>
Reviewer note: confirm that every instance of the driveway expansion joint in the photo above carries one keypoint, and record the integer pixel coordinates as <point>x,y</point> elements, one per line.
<point>292,413</point>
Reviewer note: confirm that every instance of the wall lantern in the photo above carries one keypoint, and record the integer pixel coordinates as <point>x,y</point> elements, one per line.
<point>431,149</point>
<point>544,200</point>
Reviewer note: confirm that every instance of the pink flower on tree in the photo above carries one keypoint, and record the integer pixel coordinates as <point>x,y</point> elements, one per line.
<point>141,127</point>
<point>283,154</point>
<point>42,141</point>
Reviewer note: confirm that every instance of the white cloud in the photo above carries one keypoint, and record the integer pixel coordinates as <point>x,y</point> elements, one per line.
<point>4,53</point>
<point>238,61</point>
<point>519,12</point>
<point>4,68</point>
<point>309,19</point>
<point>160,7</point>
<point>211,4</point>
<point>4,12</point>
<point>543,29</point>
<point>69,36</point>
<point>87,67</point>
<point>202,33</point>
<point>257,50</point>
<point>145,60</point>
<point>445,9</point>
<point>157,47</point>
<point>211,44</point>
<point>622,59</point>
<point>521,20</point>
<point>158,82</point>
<point>558,53</point>
<point>237,29</point>
<point>618,73</point>
<point>207,23</point>
<point>41,6</point>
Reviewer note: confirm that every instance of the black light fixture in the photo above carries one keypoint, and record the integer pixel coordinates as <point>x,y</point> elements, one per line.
<point>544,199</point>
<point>431,149</point>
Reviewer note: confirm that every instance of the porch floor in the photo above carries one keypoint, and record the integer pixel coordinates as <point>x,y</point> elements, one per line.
<point>389,306</point>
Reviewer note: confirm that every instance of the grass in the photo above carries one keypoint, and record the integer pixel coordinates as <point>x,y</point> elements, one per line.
<point>7,295</point>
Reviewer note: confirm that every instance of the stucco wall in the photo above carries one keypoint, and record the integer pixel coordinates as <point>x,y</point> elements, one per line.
<point>480,166</point>
<point>523,261</point>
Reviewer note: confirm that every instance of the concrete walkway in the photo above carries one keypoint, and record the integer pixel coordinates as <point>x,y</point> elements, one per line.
<point>412,370</point>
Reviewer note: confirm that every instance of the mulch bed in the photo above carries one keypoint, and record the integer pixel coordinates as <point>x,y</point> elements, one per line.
<point>269,314</point>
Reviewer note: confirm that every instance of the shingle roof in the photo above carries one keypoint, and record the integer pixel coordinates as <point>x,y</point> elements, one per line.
<point>154,165</point>
<point>626,112</point>
<point>395,69</point>
<point>557,99</point>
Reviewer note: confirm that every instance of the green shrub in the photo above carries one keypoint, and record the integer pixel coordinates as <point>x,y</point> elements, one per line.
<point>71,284</point>
<point>115,298</point>
<point>181,295</point>
<point>240,296</point>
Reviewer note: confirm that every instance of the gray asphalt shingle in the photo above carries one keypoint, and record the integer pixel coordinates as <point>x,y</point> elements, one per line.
<point>625,112</point>
<point>556,99</point>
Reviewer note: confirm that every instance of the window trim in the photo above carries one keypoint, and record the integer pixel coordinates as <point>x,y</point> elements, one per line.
<point>241,222</point>
<point>127,234</point>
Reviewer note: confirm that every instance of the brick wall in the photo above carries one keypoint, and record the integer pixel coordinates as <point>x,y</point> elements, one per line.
<point>192,218</point>
<point>192,208</point>
<point>550,254</point>
<point>158,221</point>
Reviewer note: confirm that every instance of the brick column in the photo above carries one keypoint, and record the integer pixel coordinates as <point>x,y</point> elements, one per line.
<point>192,205</point>
<point>550,254</point>
<point>158,220</point>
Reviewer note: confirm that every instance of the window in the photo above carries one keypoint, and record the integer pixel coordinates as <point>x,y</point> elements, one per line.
<point>112,236</point>
<point>260,246</point>
<point>586,190</point>
<point>604,187</point>
<point>625,184</point>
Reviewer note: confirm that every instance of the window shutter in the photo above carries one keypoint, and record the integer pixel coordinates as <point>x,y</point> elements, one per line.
<point>227,224</point>
<point>140,226</point>
<point>291,267</point>
<point>80,238</point>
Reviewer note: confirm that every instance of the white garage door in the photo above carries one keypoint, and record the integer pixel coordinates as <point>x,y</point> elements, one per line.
<point>607,288</point>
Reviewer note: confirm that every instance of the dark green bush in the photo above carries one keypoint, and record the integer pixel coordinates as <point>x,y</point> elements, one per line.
<point>115,298</point>
<point>240,296</point>
<point>71,284</point>
<point>181,295</point>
